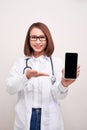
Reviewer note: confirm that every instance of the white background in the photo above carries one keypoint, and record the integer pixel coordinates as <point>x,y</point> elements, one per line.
<point>67,21</point>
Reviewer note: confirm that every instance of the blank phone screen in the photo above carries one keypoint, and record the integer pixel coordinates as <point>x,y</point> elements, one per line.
<point>71,65</point>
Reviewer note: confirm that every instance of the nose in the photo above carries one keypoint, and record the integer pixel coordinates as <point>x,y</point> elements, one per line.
<point>38,40</point>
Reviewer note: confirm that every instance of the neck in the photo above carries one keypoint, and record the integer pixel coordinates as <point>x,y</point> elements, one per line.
<point>37,54</point>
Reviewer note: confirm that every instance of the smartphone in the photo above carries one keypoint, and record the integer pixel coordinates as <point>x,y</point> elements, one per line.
<point>71,60</point>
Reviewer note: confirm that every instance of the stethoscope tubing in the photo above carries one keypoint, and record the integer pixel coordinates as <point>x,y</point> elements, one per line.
<point>53,79</point>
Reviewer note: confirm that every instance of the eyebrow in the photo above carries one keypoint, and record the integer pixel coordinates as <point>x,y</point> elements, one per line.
<point>37,35</point>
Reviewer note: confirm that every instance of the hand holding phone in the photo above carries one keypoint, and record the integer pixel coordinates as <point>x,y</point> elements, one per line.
<point>71,60</point>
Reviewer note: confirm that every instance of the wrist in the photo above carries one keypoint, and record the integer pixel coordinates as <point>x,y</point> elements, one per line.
<point>64,84</point>
<point>27,75</point>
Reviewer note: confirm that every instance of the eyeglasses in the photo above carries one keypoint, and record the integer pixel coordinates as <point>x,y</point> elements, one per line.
<point>34,38</point>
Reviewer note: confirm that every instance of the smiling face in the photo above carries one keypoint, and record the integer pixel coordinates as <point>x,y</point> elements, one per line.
<point>37,41</point>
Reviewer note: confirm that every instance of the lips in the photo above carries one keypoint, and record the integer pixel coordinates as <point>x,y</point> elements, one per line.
<point>37,46</point>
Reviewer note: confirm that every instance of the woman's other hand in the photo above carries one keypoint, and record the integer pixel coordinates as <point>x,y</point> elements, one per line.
<point>67,82</point>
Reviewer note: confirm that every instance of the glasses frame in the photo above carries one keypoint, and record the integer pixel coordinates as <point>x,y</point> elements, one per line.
<point>37,37</point>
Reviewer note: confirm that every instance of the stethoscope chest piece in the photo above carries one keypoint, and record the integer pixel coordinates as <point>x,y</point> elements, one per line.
<point>53,79</point>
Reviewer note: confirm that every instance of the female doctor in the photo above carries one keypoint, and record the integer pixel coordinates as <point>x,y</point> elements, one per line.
<point>38,80</point>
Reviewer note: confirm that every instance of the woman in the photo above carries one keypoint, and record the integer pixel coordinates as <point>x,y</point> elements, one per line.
<point>38,80</point>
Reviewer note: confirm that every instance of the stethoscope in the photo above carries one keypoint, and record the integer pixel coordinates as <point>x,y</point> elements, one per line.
<point>53,78</point>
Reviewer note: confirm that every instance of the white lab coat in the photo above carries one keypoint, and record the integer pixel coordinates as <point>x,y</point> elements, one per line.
<point>50,94</point>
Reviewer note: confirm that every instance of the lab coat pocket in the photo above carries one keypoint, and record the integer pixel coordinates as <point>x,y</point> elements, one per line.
<point>55,120</point>
<point>20,119</point>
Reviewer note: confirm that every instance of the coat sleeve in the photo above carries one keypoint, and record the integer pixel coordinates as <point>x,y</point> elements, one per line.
<point>16,80</point>
<point>58,90</point>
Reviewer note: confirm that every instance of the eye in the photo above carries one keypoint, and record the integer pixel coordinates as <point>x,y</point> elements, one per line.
<point>33,37</point>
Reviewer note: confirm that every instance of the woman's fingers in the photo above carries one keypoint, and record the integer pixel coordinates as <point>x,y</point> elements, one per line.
<point>68,82</point>
<point>42,74</point>
<point>78,70</point>
<point>34,73</point>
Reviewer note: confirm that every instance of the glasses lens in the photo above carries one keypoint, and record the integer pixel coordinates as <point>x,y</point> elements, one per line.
<point>42,38</point>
